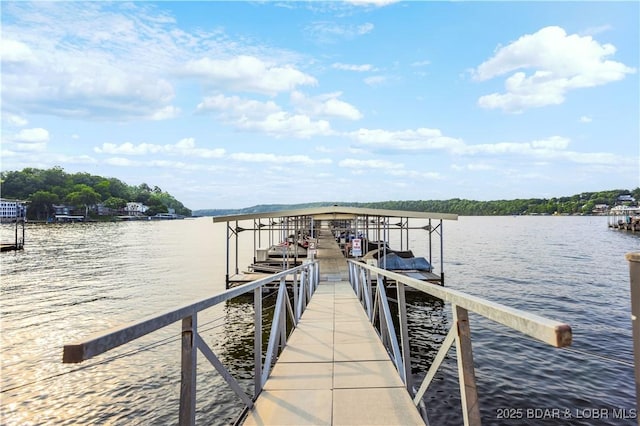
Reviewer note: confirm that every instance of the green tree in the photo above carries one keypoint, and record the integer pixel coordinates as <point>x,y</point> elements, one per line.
<point>42,205</point>
<point>119,189</point>
<point>55,176</point>
<point>103,188</point>
<point>21,185</point>
<point>115,203</point>
<point>83,196</point>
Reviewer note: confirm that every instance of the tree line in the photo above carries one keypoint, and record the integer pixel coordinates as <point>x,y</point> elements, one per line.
<point>583,203</point>
<point>45,188</point>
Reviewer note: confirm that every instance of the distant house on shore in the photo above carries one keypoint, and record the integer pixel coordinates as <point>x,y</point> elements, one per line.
<point>63,209</point>
<point>12,209</point>
<point>600,208</point>
<point>135,209</point>
<point>626,199</point>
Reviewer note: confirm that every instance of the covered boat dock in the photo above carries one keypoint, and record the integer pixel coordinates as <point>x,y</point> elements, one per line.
<point>373,226</point>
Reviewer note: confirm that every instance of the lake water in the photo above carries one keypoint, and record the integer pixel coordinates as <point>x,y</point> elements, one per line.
<point>73,280</point>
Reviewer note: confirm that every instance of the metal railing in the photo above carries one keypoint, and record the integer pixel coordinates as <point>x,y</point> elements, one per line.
<point>305,281</point>
<point>376,305</point>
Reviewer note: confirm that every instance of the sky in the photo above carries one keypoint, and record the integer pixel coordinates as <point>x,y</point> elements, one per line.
<point>234,104</point>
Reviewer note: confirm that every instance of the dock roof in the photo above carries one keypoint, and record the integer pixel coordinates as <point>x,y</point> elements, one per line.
<point>337,213</point>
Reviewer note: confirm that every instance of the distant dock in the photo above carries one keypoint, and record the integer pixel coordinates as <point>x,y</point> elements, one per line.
<point>625,218</point>
<point>18,242</point>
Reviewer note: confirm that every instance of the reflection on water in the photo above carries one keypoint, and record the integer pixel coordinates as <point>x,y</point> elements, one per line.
<point>73,280</point>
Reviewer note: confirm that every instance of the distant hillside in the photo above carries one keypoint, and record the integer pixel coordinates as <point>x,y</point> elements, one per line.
<point>263,208</point>
<point>583,203</point>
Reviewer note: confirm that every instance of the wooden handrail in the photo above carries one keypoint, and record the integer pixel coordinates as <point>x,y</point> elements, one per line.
<point>552,332</point>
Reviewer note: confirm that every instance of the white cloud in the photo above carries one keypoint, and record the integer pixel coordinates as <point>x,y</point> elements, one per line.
<point>162,164</point>
<point>14,120</point>
<point>266,117</point>
<point>377,3</point>
<point>286,160</point>
<point>248,74</point>
<point>351,163</point>
<point>330,32</point>
<point>119,61</point>
<point>327,105</point>
<point>358,166</point>
<point>473,167</point>
<point>596,30</point>
<point>585,119</point>
<point>13,51</point>
<point>29,140</point>
<point>106,65</point>
<point>421,63</point>
<point>365,28</point>
<point>353,67</point>
<point>375,80</point>
<point>284,124</point>
<point>121,162</point>
<point>165,113</point>
<point>185,147</point>
<point>424,139</point>
<point>35,135</point>
<point>542,147</point>
<point>323,149</point>
<point>558,63</point>
<point>414,174</point>
<point>419,139</point>
<point>235,107</point>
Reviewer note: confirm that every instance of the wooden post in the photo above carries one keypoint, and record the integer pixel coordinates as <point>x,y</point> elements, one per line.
<point>188,372</point>
<point>634,282</point>
<point>466,371</point>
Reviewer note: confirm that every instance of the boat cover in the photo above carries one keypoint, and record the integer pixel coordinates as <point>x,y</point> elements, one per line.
<point>397,263</point>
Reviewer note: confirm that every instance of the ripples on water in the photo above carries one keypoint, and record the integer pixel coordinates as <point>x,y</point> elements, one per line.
<point>76,279</point>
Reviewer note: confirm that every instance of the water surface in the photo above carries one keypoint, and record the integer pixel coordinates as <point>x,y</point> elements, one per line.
<point>73,280</point>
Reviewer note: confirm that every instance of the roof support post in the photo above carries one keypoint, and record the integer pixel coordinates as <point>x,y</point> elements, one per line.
<point>237,270</point>
<point>226,285</point>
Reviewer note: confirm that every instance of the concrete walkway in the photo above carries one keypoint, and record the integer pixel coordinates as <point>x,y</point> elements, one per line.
<point>334,369</point>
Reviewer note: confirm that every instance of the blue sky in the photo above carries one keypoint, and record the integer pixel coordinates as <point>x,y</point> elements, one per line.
<point>232,104</point>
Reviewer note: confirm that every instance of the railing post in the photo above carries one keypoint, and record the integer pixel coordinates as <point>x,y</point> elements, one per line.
<point>282,321</point>
<point>257,343</point>
<point>187,415</point>
<point>466,371</point>
<point>297,286</point>
<point>404,336</point>
<point>634,283</point>
<point>302,299</point>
